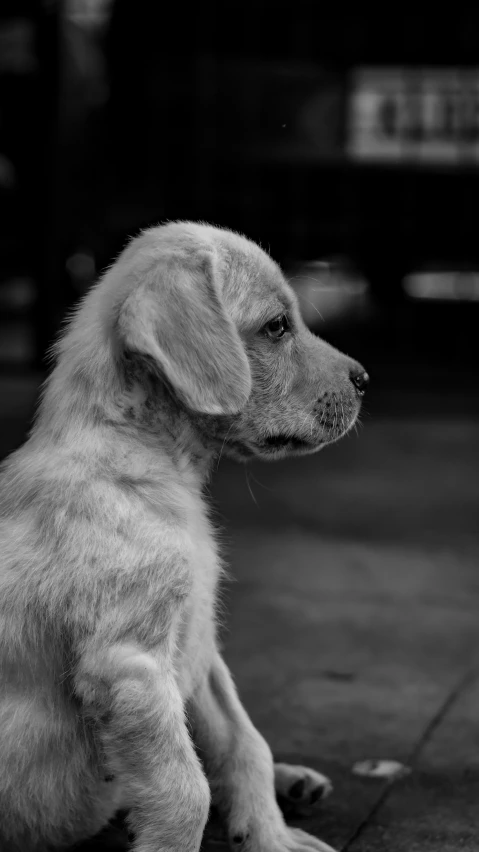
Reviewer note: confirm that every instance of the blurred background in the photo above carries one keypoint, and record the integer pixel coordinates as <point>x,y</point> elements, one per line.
<point>345,141</point>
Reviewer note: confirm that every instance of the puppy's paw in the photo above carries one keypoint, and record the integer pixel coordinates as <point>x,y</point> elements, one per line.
<point>286,840</point>
<point>299,788</point>
<point>300,841</point>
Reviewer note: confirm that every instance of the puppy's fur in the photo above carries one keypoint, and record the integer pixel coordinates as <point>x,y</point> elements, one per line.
<point>109,665</point>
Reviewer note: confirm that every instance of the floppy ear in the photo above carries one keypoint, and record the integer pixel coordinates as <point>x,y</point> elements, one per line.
<point>176,317</point>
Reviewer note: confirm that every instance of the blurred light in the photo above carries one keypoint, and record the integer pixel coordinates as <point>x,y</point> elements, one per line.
<point>82,269</point>
<point>422,115</point>
<point>451,286</point>
<point>17,293</point>
<point>7,173</point>
<point>17,46</point>
<point>329,291</point>
<point>88,13</point>
<point>17,344</point>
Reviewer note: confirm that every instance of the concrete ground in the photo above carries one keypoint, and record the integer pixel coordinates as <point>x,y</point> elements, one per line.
<point>353,627</point>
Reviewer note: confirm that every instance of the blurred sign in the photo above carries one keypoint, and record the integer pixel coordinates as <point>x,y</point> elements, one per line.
<point>443,286</point>
<point>421,115</point>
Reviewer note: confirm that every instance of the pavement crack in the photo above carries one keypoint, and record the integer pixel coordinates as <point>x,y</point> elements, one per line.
<point>465,682</point>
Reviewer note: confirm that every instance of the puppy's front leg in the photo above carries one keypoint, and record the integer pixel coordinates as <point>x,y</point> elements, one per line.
<point>240,769</point>
<point>137,710</point>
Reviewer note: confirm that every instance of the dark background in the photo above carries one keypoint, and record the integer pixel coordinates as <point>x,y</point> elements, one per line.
<point>111,120</point>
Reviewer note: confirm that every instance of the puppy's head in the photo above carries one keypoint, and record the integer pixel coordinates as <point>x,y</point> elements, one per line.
<point>211,314</point>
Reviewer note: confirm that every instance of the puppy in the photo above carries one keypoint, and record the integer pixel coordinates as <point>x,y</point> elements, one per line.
<point>112,683</point>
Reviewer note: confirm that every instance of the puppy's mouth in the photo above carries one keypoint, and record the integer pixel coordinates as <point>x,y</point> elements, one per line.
<point>284,442</point>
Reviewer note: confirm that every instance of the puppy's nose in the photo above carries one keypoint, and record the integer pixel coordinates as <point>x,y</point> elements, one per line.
<point>360,379</point>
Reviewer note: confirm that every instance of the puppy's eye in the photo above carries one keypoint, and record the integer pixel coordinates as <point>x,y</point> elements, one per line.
<point>277,327</point>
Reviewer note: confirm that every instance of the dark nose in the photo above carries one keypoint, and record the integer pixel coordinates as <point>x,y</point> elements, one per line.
<point>360,380</point>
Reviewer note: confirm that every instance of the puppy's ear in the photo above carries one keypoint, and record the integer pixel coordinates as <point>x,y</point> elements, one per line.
<point>175,316</point>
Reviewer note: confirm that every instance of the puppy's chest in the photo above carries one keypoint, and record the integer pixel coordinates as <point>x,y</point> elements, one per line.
<point>196,630</point>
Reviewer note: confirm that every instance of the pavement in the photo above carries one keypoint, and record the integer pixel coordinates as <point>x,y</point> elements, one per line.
<point>353,628</point>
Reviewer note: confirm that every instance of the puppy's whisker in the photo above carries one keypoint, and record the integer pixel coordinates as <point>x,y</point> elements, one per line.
<point>261,485</point>
<point>223,444</point>
<point>343,417</point>
<point>305,299</point>
<point>304,278</point>
<point>250,490</point>
<point>305,420</point>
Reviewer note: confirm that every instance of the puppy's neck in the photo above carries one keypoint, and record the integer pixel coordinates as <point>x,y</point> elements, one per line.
<point>152,411</point>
